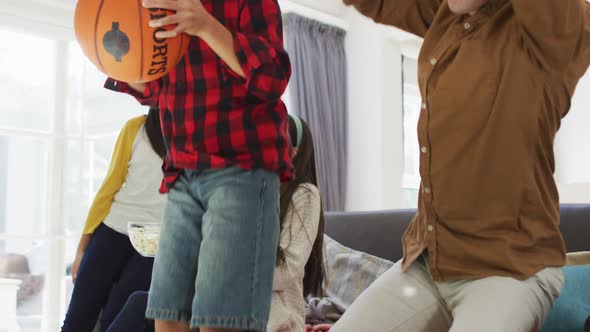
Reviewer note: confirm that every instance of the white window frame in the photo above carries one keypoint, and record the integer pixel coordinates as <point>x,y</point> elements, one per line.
<point>55,236</point>
<point>47,20</point>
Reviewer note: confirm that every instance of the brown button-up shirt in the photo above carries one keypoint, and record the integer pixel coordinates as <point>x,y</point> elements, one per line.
<point>495,87</point>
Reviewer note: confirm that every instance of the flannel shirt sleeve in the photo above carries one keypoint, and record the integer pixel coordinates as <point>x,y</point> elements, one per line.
<point>149,96</point>
<point>259,48</point>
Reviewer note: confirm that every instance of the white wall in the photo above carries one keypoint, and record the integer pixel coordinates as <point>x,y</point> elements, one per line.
<point>375,116</point>
<point>364,49</point>
<point>572,148</point>
<point>574,193</point>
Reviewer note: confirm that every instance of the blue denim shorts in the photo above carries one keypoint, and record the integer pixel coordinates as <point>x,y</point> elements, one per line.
<point>216,256</point>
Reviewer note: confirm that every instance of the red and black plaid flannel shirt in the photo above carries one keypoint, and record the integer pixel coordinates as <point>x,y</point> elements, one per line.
<point>213,118</point>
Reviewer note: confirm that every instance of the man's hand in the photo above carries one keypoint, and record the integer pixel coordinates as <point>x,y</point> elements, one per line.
<point>190,17</point>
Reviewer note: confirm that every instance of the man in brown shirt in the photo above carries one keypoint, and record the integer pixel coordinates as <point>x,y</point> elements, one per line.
<point>484,252</point>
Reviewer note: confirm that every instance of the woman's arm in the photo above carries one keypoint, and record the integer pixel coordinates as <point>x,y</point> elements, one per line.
<point>115,176</point>
<point>298,236</point>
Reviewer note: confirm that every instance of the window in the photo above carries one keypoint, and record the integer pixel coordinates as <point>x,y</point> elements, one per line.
<point>94,117</point>
<point>411,112</point>
<point>29,76</point>
<point>58,126</point>
<point>26,82</point>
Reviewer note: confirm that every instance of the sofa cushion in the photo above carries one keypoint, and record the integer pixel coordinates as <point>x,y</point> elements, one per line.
<point>575,226</point>
<point>349,272</point>
<point>573,306</point>
<point>379,233</point>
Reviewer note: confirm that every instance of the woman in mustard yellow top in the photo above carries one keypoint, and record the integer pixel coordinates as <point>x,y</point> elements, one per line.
<point>107,269</point>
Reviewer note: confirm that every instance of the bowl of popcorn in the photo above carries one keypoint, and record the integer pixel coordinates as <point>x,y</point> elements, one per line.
<point>144,237</point>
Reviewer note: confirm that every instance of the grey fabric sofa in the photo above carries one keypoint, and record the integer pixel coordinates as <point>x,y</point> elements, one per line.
<point>380,233</point>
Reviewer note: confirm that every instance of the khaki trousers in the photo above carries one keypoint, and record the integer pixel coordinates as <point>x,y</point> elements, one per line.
<point>413,302</point>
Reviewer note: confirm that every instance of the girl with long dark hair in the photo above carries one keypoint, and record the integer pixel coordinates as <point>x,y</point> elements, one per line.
<point>299,268</point>
<point>299,271</point>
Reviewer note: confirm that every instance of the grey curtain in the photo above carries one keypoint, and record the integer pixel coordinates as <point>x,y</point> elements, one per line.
<point>318,94</point>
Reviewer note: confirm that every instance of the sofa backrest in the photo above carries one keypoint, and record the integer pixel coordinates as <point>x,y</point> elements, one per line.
<point>379,233</point>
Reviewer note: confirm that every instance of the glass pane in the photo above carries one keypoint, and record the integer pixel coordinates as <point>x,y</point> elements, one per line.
<point>90,106</point>
<point>102,151</point>
<point>23,262</point>
<point>26,81</point>
<point>76,187</point>
<point>411,112</point>
<point>410,198</point>
<point>87,163</point>
<point>23,185</point>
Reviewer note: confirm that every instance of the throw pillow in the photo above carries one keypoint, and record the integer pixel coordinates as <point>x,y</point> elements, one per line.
<point>572,308</point>
<point>349,272</point>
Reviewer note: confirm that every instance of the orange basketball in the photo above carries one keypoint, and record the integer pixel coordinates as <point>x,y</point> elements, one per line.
<point>115,35</point>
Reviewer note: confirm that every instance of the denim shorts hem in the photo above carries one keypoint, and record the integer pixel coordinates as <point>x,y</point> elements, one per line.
<point>229,322</point>
<point>169,315</point>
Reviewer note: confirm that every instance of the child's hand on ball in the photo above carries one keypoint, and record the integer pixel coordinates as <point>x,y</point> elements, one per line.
<point>190,17</point>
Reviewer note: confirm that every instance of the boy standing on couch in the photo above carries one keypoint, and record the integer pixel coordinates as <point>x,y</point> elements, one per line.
<point>226,133</point>
<point>484,252</point>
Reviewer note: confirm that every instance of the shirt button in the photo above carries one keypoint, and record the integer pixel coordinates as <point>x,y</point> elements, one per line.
<point>423,106</point>
<point>467,26</point>
<point>433,61</point>
<point>427,190</point>
<point>430,228</point>
<point>424,149</point>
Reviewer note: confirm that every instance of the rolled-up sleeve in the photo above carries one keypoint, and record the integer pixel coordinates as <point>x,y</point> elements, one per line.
<point>259,47</point>
<point>149,97</point>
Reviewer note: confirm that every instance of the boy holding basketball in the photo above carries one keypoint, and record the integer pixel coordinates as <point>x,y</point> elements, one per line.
<point>225,128</point>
